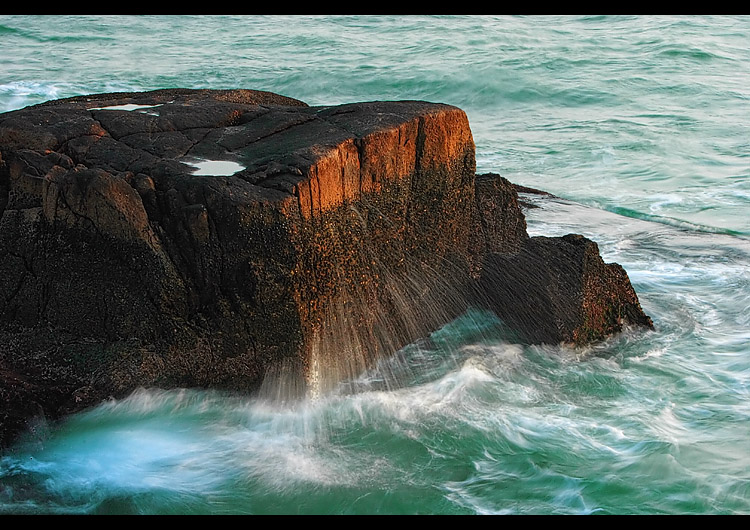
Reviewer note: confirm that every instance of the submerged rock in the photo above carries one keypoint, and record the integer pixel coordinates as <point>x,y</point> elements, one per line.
<point>244,240</point>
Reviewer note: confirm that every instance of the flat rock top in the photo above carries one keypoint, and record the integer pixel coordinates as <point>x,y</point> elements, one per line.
<point>264,139</point>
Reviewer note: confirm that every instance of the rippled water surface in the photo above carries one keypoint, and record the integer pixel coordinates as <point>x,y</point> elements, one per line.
<point>639,126</point>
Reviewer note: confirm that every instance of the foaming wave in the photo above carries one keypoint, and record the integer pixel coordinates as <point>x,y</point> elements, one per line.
<point>20,94</point>
<point>200,444</point>
<point>501,428</point>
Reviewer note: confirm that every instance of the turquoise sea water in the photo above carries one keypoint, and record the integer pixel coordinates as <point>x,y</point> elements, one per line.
<point>638,123</point>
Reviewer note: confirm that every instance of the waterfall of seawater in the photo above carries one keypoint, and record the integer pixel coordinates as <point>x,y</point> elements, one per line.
<point>376,296</point>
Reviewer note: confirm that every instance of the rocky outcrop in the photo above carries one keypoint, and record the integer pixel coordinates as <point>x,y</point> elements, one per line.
<point>244,240</point>
<point>584,300</point>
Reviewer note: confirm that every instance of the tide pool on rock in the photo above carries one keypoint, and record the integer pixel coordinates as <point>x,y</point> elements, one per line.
<point>216,168</point>
<point>127,107</point>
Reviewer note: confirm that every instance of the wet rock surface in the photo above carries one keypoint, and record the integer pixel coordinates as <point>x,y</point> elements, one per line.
<point>585,299</point>
<point>243,240</point>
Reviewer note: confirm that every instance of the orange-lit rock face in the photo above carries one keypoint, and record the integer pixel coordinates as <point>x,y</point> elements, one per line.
<point>333,178</point>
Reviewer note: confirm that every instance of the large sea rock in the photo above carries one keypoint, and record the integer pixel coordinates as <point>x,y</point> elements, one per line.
<point>244,240</point>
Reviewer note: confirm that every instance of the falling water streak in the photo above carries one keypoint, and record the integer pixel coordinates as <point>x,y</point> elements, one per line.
<point>314,374</point>
<point>418,301</point>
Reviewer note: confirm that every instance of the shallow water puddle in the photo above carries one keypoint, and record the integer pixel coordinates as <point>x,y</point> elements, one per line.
<point>215,168</point>
<point>130,107</point>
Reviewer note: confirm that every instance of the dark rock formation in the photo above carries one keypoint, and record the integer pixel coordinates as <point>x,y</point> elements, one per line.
<point>583,300</point>
<point>339,234</point>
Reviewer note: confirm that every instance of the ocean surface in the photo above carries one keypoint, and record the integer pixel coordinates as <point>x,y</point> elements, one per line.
<point>640,125</point>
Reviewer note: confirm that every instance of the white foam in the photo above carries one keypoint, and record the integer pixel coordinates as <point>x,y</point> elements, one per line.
<point>19,94</point>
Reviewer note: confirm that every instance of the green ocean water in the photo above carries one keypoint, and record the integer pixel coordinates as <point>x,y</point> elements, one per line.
<point>639,124</point>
